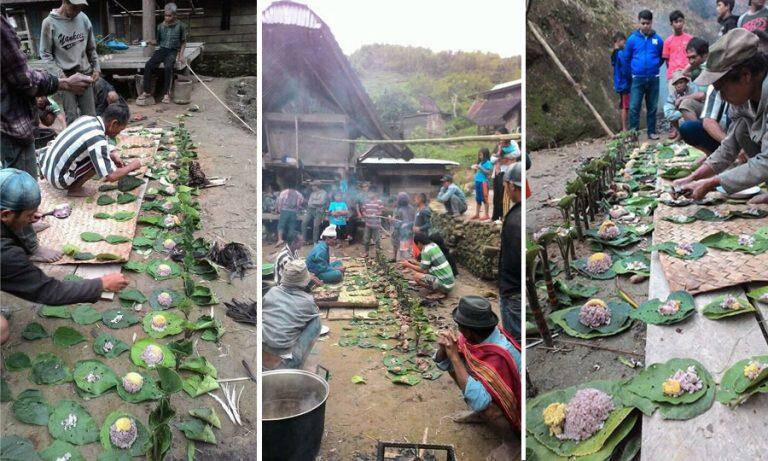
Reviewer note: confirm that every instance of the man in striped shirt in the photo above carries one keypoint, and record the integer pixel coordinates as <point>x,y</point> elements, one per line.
<point>371,211</point>
<point>434,270</point>
<point>82,151</point>
<point>293,243</point>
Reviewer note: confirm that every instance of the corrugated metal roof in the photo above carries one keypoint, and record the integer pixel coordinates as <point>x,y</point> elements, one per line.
<point>291,14</point>
<point>413,161</point>
<point>501,86</point>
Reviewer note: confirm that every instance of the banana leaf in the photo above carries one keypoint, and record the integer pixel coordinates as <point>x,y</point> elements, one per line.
<point>203,296</point>
<point>129,183</point>
<point>642,229</point>
<point>197,385</point>
<point>156,221</point>
<point>107,378</point>
<point>153,269</point>
<point>149,390</point>
<point>138,349</point>
<point>715,311</point>
<point>85,314</point>
<point>174,325</point>
<point>129,297</point>
<point>122,199</point>
<point>105,199</point>
<point>735,388</point>
<point>170,381</point>
<point>676,172</point>
<point>49,369</point>
<point>204,269</point>
<point>83,256</point>
<point>17,361</point>
<point>705,214</point>
<point>59,450</point>
<point>59,312</point>
<point>624,239</point>
<point>118,318</point>
<point>670,248</point>
<point>142,243</point>
<point>568,320</point>
<point>199,365</point>
<point>117,346</point>
<point>176,298</point>
<point>680,219</point>
<point>411,379</point>
<point>84,430</point>
<point>728,242</point>
<point>648,311</point>
<point>66,336</point>
<point>648,383</point>
<point>123,215</point>
<point>581,266</point>
<point>102,215</point>
<point>207,415</point>
<point>34,331</point>
<point>115,239</point>
<point>91,237</point>
<point>621,266</point>
<point>30,407</point>
<point>194,429</point>
<point>15,448</point>
<point>759,294</point>
<point>140,445</point>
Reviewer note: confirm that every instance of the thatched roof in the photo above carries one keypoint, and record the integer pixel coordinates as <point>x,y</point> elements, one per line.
<point>305,71</point>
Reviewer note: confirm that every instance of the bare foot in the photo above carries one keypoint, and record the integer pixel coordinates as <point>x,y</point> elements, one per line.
<point>759,199</point>
<point>45,255</point>
<point>81,192</point>
<point>40,226</point>
<point>467,417</point>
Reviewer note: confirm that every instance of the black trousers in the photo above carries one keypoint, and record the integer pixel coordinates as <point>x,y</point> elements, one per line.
<point>498,197</point>
<point>167,57</point>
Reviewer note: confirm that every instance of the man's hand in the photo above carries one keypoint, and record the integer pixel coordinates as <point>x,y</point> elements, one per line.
<point>451,344</point>
<point>682,181</point>
<point>135,164</point>
<point>96,75</point>
<point>697,190</point>
<point>116,158</point>
<point>180,61</point>
<point>114,282</point>
<point>75,83</point>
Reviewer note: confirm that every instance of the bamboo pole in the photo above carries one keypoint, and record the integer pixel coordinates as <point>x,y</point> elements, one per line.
<point>494,137</point>
<point>536,33</point>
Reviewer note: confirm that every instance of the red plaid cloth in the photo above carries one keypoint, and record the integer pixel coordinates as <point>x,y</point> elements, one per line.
<point>20,85</point>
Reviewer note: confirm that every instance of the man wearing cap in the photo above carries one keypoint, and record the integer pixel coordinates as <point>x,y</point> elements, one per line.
<point>739,72</point>
<point>66,38</point>
<point>319,259</point>
<point>20,86</point>
<point>681,89</point>
<point>19,199</point>
<point>452,197</point>
<point>510,265</point>
<point>290,318</point>
<point>484,362</point>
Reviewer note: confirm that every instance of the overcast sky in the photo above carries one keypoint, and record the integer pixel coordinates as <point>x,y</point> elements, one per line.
<point>495,26</point>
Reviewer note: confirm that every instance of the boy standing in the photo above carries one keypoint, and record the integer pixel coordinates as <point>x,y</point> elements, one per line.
<point>674,46</point>
<point>622,76</point>
<point>66,38</point>
<point>725,16</point>
<point>644,49</point>
<point>371,212</point>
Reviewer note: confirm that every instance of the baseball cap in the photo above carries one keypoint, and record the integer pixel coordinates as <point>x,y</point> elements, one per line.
<point>18,190</point>
<point>79,2</point>
<point>679,75</point>
<point>731,50</point>
<point>447,177</point>
<point>514,175</point>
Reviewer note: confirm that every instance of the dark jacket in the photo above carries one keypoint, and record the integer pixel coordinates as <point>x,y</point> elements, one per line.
<point>644,53</point>
<point>622,74</point>
<point>19,277</point>
<point>510,264</point>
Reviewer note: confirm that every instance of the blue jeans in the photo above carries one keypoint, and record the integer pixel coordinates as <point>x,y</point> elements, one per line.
<point>693,133</point>
<point>286,223</point>
<point>648,88</point>
<point>303,345</point>
<point>511,319</point>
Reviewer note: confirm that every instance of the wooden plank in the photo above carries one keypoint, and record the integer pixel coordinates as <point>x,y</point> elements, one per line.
<point>717,344</point>
<point>209,39</point>
<point>215,21</point>
<point>238,48</point>
<point>340,314</point>
<point>216,31</point>
<point>95,271</point>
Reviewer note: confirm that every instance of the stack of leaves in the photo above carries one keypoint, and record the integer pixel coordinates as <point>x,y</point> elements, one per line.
<point>743,379</point>
<point>680,388</point>
<point>597,441</point>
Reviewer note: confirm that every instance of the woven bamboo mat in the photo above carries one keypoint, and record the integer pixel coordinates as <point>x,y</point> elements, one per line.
<point>63,231</point>
<point>717,269</point>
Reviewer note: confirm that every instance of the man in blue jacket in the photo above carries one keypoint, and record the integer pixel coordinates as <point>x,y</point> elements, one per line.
<point>644,48</point>
<point>622,75</point>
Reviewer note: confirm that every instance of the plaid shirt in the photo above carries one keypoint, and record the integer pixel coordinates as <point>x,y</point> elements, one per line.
<point>20,85</point>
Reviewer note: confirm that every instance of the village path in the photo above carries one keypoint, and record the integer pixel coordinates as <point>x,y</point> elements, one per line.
<point>571,365</point>
<point>359,415</point>
<point>225,150</point>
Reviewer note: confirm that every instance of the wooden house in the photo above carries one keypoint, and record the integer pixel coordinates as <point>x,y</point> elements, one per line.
<point>429,119</point>
<point>498,107</point>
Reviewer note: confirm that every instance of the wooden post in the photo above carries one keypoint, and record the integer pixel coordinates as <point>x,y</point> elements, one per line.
<point>148,20</point>
<point>111,29</point>
<point>538,314</point>
<point>570,79</point>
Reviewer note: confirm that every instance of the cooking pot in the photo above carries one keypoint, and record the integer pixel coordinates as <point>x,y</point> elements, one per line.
<point>293,414</point>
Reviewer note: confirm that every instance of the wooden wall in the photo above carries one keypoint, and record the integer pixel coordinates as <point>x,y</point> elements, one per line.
<point>241,36</point>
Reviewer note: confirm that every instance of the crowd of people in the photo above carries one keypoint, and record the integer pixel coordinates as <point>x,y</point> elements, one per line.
<point>718,94</point>
<point>93,113</point>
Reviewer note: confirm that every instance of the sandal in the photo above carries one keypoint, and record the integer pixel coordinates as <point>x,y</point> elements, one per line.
<point>166,99</point>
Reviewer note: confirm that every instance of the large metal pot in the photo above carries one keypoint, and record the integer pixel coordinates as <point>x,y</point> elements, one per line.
<point>293,414</point>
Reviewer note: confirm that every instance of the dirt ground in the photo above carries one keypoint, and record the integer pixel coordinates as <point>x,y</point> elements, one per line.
<point>225,150</point>
<point>571,364</point>
<point>359,415</point>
